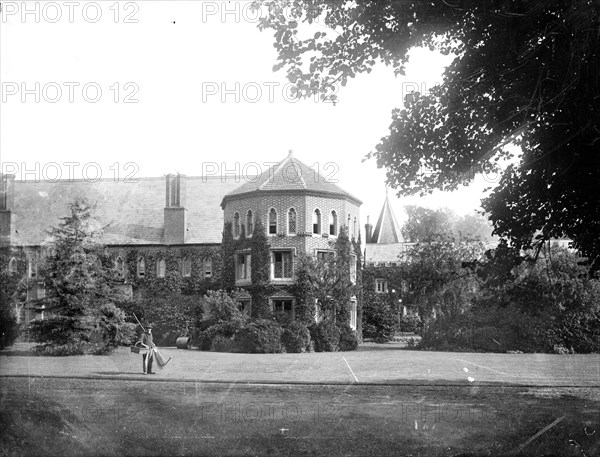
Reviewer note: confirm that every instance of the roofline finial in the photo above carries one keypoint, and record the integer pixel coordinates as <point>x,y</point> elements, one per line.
<point>290,153</point>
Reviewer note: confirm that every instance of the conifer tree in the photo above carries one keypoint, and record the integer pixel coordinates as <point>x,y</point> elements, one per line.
<point>259,266</point>
<point>81,289</point>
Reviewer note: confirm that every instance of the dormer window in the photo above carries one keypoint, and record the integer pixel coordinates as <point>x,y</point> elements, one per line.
<point>333,224</point>
<point>317,222</point>
<point>272,222</point>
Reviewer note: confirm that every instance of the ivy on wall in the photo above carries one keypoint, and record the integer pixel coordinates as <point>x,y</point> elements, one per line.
<point>228,262</point>
<point>173,281</point>
<point>260,267</point>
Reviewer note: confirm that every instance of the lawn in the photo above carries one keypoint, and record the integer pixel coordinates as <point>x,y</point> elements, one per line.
<point>380,400</point>
<point>109,417</point>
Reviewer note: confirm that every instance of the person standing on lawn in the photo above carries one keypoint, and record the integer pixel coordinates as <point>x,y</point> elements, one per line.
<point>146,342</point>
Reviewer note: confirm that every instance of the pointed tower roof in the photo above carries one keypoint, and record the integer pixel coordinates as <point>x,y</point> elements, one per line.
<point>289,175</point>
<point>387,230</point>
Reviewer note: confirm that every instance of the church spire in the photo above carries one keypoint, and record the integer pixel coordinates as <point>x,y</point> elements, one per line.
<point>387,230</point>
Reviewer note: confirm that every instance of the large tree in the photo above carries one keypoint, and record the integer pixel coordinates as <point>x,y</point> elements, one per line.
<point>525,72</point>
<point>82,289</point>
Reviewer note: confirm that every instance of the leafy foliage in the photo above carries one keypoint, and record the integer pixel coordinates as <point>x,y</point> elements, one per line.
<point>261,336</point>
<point>523,72</point>
<point>296,337</point>
<point>348,338</point>
<point>81,290</point>
<point>326,336</point>
<point>12,295</point>
<point>259,264</point>
<point>228,248</point>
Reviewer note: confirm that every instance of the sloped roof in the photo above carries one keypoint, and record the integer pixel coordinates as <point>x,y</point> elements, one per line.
<point>289,175</point>
<point>387,230</point>
<point>133,211</point>
<point>386,253</point>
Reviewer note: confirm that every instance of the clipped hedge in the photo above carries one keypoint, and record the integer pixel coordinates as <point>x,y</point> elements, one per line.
<point>296,337</point>
<point>261,336</point>
<point>222,343</point>
<point>325,336</point>
<point>348,338</point>
<point>227,329</point>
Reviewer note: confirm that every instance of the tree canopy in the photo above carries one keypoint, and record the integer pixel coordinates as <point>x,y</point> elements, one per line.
<point>524,72</point>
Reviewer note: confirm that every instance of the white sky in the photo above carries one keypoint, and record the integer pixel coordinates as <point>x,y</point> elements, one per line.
<point>174,55</point>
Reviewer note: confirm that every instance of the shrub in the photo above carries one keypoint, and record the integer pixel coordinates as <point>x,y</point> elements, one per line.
<point>326,336</point>
<point>380,320</point>
<point>261,336</point>
<point>222,343</point>
<point>9,328</point>
<point>410,323</point>
<point>296,337</point>
<point>226,329</point>
<point>348,338</point>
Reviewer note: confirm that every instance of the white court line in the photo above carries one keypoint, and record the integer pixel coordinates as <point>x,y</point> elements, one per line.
<point>486,368</point>
<point>350,369</point>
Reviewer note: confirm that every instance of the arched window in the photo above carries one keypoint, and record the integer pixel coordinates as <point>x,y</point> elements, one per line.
<point>249,223</point>
<point>354,231</point>
<point>348,226</point>
<point>292,221</point>
<point>12,266</point>
<point>161,267</point>
<point>186,267</point>
<point>333,224</point>
<point>120,266</point>
<point>317,222</point>
<point>236,224</point>
<point>141,267</point>
<point>207,267</point>
<point>272,222</point>
<point>32,269</point>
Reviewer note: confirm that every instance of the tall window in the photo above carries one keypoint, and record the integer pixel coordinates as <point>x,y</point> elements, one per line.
<point>32,269</point>
<point>353,269</point>
<point>242,266</point>
<point>120,266</point>
<point>249,223</point>
<point>333,223</point>
<point>381,286</point>
<point>186,267</point>
<point>353,313</point>
<point>12,266</point>
<point>207,267</point>
<point>348,226</point>
<point>141,267</point>
<point>236,224</point>
<point>161,268</point>
<point>292,221</point>
<point>282,265</point>
<point>317,222</point>
<point>354,231</point>
<point>272,222</point>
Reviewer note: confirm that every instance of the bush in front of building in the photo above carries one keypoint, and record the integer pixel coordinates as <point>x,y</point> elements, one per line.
<point>260,336</point>
<point>325,336</point>
<point>348,338</point>
<point>296,337</point>
<point>410,323</point>
<point>9,328</point>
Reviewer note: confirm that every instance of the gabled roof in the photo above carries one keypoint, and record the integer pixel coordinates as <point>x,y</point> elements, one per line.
<point>133,211</point>
<point>289,175</point>
<point>387,230</point>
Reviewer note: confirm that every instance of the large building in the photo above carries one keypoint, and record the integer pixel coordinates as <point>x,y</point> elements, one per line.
<point>171,227</point>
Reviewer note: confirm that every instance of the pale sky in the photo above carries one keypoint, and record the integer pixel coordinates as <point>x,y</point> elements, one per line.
<point>175,61</point>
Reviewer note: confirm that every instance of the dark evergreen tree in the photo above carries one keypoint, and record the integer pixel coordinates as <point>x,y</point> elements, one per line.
<point>259,265</point>
<point>81,289</point>
<point>228,249</point>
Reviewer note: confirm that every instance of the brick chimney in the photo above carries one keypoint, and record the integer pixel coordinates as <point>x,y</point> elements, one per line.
<point>175,228</point>
<point>7,201</point>
<point>368,231</point>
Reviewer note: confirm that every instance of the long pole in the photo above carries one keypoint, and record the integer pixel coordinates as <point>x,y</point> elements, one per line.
<point>139,322</point>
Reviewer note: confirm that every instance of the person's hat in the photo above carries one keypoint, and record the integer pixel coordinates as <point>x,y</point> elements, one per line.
<point>148,326</point>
